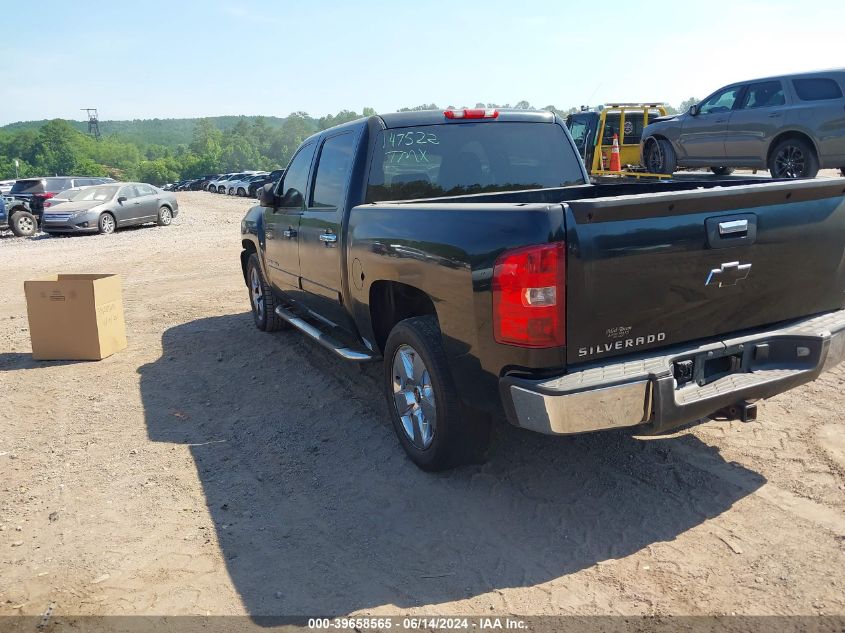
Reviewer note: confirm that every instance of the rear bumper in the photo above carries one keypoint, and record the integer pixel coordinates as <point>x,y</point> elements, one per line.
<point>644,392</point>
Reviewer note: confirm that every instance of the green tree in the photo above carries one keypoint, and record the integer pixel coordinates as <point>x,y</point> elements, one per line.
<point>687,103</point>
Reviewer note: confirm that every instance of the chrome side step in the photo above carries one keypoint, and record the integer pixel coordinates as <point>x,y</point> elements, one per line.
<point>346,353</point>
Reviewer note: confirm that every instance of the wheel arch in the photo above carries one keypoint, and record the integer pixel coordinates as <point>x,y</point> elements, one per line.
<point>393,301</point>
<point>787,134</point>
<point>249,248</point>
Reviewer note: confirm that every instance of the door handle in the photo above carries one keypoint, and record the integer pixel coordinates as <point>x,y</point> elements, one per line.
<point>289,233</point>
<point>328,238</point>
<point>732,227</point>
<point>774,116</point>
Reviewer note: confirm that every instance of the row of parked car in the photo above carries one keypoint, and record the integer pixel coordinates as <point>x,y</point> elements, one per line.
<point>243,184</point>
<point>83,204</point>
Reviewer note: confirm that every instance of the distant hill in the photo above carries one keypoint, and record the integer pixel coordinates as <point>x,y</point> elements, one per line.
<point>143,132</point>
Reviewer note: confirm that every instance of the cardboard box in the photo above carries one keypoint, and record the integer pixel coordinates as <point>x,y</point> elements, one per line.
<point>75,317</point>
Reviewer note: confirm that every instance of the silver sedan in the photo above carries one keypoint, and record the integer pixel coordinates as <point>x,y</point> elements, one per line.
<point>104,208</point>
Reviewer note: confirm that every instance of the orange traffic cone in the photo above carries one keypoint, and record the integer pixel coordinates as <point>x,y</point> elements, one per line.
<point>615,164</point>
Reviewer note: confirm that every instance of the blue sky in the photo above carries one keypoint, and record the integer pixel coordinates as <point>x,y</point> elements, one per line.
<point>184,59</point>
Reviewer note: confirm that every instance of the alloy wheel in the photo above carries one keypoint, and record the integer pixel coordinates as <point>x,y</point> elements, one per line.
<point>413,396</point>
<point>789,162</point>
<point>107,224</point>
<point>26,225</point>
<point>256,292</point>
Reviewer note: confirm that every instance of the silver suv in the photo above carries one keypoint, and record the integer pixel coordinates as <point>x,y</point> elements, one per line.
<point>792,125</point>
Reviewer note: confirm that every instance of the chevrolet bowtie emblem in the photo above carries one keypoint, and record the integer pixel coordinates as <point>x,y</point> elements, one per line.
<point>729,274</point>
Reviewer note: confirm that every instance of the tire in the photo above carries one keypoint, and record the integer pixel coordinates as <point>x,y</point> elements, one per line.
<point>659,157</point>
<point>221,189</point>
<point>106,224</point>
<point>165,216</point>
<point>241,192</point>
<point>23,223</point>
<point>434,429</point>
<point>793,158</point>
<point>722,171</point>
<point>262,301</point>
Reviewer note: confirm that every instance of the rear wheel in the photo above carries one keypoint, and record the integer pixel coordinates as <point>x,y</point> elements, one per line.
<point>106,224</point>
<point>433,427</point>
<point>23,223</point>
<point>241,192</point>
<point>722,171</point>
<point>165,216</point>
<point>261,299</point>
<point>659,157</point>
<point>793,158</point>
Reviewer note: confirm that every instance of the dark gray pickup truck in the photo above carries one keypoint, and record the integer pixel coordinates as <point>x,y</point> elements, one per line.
<point>467,250</point>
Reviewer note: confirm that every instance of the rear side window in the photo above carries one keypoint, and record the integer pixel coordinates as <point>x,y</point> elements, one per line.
<point>816,89</point>
<point>766,94</point>
<point>465,158</point>
<point>57,184</point>
<point>332,171</point>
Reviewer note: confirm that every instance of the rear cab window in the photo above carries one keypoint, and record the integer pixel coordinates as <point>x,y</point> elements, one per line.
<point>816,89</point>
<point>465,158</point>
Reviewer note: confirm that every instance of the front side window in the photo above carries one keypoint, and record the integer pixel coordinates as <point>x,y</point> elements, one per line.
<point>578,130</point>
<point>99,193</point>
<point>127,192</point>
<point>145,190</point>
<point>296,178</point>
<point>817,89</point>
<point>464,158</point>
<point>332,171</point>
<point>722,101</point>
<point>766,94</point>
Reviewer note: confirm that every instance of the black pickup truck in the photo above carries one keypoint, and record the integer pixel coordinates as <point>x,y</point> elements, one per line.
<point>467,250</point>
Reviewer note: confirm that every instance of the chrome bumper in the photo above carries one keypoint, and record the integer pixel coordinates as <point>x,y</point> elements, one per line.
<point>644,391</point>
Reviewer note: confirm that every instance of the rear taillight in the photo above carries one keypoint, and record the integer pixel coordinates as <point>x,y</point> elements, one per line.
<point>43,196</point>
<point>529,296</point>
<point>472,113</point>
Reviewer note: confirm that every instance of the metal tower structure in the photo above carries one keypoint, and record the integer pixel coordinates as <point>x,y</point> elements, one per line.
<point>93,122</point>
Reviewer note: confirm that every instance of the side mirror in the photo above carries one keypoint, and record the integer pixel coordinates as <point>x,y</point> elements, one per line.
<point>121,199</point>
<point>694,110</point>
<point>266,197</point>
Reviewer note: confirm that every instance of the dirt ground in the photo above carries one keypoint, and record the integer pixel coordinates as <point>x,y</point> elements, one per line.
<point>213,469</point>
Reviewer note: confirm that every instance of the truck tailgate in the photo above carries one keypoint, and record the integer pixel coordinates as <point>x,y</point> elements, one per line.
<point>661,269</point>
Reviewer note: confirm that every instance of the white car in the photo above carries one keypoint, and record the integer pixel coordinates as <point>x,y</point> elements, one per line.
<point>223,185</point>
<point>241,187</point>
<point>212,185</point>
<point>6,186</point>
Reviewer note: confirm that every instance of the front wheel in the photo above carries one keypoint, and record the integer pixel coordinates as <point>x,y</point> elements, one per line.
<point>793,158</point>
<point>722,171</point>
<point>428,418</point>
<point>165,216</point>
<point>659,157</point>
<point>261,299</point>
<point>106,224</point>
<point>23,224</point>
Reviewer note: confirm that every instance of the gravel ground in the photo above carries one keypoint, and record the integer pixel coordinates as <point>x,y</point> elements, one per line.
<point>212,468</point>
